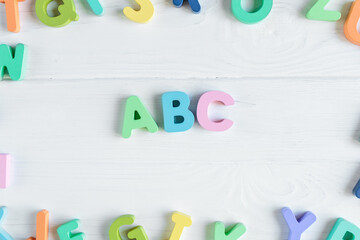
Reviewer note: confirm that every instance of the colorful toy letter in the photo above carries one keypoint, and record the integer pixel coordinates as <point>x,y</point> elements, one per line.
<point>136,116</point>
<point>143,15</point>
<point>356,189</point>
<point>4,170</point>
<point>13,63</point>
<point>181,220</point>
<point>42,226</point>
<point>96,7</point>
<point>176,113</point>
<point>194,4</point>
<point>137,233</point>
<point>202,110</point>
<point>344,230</point>
<point>221,233</point>
<point>317,12</point>
<point>3,234</point>
<point>67,13</point>
<point>65,231</point>
<point>114,233</point>
<point>12,14</point>
<point>251,17</point>
<point>350,26</point>
<point>297,226</point>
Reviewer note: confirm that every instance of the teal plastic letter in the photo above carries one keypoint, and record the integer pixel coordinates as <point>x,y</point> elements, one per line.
<point>3,234</point>
<point>65,231</point>
<point>114,233</point>
<point>96,7</point>
<point>344,230</point>
<point>233,233</point>
<point>251,17</point>
<point>13,63</point>
<point>176,113</point>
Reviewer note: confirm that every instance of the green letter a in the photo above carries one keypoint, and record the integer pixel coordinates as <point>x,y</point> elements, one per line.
<point>136,116</point>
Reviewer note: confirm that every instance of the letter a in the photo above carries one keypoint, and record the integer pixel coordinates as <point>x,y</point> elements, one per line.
<point>136,116</point>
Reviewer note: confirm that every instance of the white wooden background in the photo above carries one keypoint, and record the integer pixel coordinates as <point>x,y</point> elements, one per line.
<point>294,142</point>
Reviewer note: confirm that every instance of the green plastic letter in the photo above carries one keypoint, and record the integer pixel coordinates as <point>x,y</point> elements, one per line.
<point>251,17</point>
<point>136,116</point>
<point>137,233</point>
<point>317,12</point>
<point>13,63</point>
<point>344,230</point>
<point>114,233</point>
<point>67,13</point>
<point>234,233</point>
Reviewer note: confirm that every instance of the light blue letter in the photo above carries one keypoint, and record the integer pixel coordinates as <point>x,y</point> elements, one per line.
<point>3,234</point>
<point>176,113</point>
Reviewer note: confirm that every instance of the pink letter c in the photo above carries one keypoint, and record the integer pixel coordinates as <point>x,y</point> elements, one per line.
<point>202,110</point>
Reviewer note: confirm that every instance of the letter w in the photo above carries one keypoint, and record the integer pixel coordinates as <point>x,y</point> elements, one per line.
<point>13,61</point>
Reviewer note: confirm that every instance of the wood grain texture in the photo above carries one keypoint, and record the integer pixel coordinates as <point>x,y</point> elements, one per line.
<point>294,143</point>
<point>180,44</point>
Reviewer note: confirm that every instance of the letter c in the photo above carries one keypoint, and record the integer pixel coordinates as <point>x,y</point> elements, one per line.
<point>202,110</point>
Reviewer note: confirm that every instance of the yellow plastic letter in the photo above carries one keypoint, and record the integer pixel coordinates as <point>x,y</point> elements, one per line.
<point>181,220</point>
<point>143,15</point>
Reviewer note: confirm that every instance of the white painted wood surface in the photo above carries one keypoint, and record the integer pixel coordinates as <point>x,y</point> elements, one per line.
<point>180,44</point>
<point>294,142</point>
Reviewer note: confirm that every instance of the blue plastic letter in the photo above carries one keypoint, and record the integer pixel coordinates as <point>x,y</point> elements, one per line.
<point>3,234</point>
<point>194,4</point>
<point>176,113</point>
<point>356,189</point>
<point>297,226</point>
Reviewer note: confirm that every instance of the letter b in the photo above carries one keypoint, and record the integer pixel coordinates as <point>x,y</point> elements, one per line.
<point>176,113</point>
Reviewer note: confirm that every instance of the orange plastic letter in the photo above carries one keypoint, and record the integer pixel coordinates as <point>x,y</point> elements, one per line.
<point>42,226</point>
<point>12,14</point>
<point>350,29</point>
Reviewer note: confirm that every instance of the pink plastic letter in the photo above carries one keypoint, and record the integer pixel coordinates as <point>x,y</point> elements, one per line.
<point>4,170</point>
<point>202,110</point>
